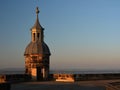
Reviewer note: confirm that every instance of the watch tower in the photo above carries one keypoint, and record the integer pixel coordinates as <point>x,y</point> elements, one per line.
<point>37,53</point>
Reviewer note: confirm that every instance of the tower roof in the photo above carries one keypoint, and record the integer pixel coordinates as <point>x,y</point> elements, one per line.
<point>37,48</point>
<point>37,23</point>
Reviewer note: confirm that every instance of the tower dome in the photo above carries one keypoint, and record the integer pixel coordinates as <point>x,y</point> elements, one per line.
<point>37,48</point>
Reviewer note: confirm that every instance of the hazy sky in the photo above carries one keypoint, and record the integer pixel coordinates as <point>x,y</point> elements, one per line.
<point>81,34</point>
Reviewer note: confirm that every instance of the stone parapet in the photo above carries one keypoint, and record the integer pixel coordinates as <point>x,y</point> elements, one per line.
<point>11,78</point>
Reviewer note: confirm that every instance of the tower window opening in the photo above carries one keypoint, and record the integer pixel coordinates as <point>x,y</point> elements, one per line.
<point>38,35</point>
<point>33,36</point>
<point>34,57</point>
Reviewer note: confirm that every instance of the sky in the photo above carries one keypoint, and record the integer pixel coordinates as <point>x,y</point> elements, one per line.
<point>81,34</point>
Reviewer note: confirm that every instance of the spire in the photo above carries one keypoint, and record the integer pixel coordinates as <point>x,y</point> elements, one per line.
<point>37,12</point>
<point>37,23</point>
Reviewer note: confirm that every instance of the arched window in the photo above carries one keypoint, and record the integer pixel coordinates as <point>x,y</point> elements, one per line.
<point>33,36</point>
<point>38,35</point>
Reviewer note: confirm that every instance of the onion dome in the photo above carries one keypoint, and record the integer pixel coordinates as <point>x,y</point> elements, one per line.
<point>37,48</point>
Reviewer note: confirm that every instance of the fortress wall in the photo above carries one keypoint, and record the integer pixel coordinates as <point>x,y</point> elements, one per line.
<point>11,78</point>
<point>77,77</point>
<point>81,77</point>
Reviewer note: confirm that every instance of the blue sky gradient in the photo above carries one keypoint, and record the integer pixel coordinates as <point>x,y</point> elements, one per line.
<point>81,34</point>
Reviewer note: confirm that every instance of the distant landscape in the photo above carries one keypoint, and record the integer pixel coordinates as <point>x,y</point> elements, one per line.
<point>21,71</point>
<point>12,71</point>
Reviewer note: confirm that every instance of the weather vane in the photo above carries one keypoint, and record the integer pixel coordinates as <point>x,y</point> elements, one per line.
<point>37,9</point>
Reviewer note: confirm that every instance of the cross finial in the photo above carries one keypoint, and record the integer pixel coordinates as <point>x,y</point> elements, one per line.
<point>37,10</point>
